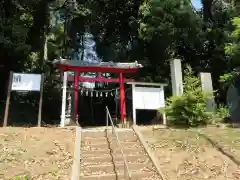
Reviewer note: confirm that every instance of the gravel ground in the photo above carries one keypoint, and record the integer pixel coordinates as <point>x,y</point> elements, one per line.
<point>36,153</point>
<point>184,154</point>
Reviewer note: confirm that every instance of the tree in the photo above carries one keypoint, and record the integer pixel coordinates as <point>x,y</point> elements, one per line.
<point>233,47</point>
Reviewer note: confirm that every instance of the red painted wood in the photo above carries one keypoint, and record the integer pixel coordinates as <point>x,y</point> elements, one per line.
<point>101,79</point>
<point>99,75</point>
<point>65,67</point>
<point>76,83</point>
<point>122,98</point>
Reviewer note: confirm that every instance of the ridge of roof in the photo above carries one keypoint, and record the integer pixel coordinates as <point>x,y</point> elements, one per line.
<point>100,64</point>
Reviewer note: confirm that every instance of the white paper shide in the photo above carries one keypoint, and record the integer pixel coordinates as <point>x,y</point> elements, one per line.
<point>26,82</point>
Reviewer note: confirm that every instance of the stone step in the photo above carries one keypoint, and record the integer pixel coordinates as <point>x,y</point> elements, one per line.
<point>107,143</point>
<point>108,159</point>
<point>110,138</point>
<point>110,134</point>
<point>113,168</point>
<point>100,153</point>
<point>95,141</point>
<point>101,157</point>
<point>120,176</point>
<point>113,146</point>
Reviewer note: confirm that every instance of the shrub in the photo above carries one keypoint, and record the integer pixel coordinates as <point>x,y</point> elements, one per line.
<point>189,109</point>
<point>226,80</point>
<point>222,112</point>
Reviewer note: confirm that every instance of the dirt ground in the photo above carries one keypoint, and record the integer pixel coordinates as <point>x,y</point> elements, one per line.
<point>227,138</point>
<point>184,154</point>
<point>36,153</point>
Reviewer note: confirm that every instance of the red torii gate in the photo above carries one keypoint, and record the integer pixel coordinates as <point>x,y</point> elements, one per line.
<point>104,67</point>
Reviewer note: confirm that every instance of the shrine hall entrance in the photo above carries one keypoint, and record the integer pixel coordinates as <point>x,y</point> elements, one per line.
<point>92,106</point>
<point>92,110</point>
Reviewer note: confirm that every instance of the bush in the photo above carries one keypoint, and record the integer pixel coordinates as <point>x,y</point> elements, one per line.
<point>226,80</point>
<point>189,109</point>
<point>222,112</point>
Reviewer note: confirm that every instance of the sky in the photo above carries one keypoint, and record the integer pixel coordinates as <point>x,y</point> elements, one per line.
<point>197,4</point>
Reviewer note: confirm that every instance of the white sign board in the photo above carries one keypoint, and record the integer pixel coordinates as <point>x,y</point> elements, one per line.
<point>148,98</point>
<point>26,82</point>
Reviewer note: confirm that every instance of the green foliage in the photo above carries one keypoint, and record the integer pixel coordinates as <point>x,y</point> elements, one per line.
<point>167,20</point>
<point>222,112</point>
<point>189,109</point>
<point>226,80</point>
<point>232,48</point>
<point>13,33</point>
<point>21,178</point>
<point>55,41</point>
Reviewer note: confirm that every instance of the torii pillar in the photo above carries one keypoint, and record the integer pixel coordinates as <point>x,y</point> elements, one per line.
<point>122,99</point>
<point>76,84</point>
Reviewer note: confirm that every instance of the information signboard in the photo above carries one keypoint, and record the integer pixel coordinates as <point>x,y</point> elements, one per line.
<point>149,96</point>
<point>26,82</point>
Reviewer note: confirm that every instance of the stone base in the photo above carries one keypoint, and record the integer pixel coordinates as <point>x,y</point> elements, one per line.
<point>234,125</point>
<point>69,122</point>
<point>126,124</point>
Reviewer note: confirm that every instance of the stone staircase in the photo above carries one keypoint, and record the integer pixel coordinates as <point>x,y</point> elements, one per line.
<point>101,158</point>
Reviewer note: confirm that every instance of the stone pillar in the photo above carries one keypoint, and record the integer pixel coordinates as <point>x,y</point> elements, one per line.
<point>206,82</point>
<point>64,96</point>
<point>233,103</point>
<point>176,77</point>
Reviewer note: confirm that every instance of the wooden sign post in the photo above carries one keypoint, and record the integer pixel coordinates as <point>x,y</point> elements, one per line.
<point>24,82</point>
<point>40,102</point>
<point>8,99</point>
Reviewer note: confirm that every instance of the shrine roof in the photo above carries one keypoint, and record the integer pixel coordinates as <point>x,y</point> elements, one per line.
<point>76,65</point>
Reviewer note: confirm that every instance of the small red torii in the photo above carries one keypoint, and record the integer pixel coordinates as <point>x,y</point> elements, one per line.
<point>103,67</point>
